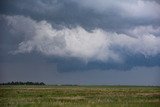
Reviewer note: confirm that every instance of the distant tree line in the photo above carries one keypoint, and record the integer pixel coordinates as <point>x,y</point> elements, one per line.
<point>23,83</point>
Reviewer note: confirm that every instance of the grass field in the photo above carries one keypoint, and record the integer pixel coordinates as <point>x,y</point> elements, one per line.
<point>79,96</point>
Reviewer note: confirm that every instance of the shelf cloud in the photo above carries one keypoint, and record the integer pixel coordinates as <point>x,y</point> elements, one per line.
<point>77,42</point>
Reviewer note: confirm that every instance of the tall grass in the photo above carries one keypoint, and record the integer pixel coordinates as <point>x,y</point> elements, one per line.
<point>79,96</point>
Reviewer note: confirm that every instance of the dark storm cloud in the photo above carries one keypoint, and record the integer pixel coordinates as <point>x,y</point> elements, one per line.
<point>35,72</point>
<point>88,14</point>
<point>155,1</point>
<point>40,40</point>
<point>29,26</point>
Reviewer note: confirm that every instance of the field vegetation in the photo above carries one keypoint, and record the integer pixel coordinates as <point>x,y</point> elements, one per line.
<point>78,96</point>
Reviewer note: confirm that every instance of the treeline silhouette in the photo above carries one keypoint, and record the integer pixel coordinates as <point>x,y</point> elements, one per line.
<point>23,83</point>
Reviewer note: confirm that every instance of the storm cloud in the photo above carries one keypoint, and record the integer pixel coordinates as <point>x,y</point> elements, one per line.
<point>78,42</point>
<point>81,35</point>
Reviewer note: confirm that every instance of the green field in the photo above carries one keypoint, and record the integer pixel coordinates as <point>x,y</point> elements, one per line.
<point>79,96</point>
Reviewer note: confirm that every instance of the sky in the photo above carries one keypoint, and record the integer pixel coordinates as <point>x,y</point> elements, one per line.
<point>84,42</point>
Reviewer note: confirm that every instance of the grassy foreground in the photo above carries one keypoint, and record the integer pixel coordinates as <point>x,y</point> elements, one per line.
<point>79,96</point>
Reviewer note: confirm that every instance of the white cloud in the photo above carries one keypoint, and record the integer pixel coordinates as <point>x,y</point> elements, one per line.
<point>144,30</point>
<point>126,8</point>
<point>148,45</point>
<point>142,9</point>
<point>77,42</point>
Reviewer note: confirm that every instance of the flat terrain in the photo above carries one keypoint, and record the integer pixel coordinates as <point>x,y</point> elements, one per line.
<point>79,96</point>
